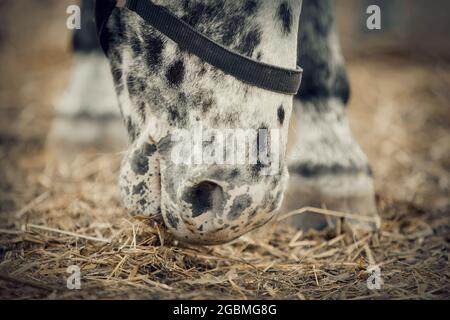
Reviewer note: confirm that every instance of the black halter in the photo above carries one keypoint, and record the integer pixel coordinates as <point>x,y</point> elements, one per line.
<point>250,71</point>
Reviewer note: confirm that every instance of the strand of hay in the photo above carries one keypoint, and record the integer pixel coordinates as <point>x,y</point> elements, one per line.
<point>32,204</point>
<point>67,233</point>
<point>332,213</point>
<point>26,283</point>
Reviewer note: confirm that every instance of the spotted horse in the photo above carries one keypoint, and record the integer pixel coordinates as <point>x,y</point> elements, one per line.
<point>161,87</point>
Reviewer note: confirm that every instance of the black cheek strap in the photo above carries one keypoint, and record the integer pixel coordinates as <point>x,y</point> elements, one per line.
<point>250,71</point>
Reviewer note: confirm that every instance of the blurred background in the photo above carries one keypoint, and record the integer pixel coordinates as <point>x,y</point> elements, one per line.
<point>400,106</point>
<point>414,26</point>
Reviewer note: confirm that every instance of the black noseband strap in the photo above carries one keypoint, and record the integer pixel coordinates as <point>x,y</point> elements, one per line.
<point>250,71</point>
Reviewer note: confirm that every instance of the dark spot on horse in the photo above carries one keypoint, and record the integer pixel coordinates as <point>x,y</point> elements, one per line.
<point>165,144</point>
<point>202,70</point>
<point>173,220</point>
<point>234,173</point>
<point>182,98</point>
<point>136,86</point>
<point>186,4</point>
<point>239,205</point>
<point>249,42</point>
<point>250,6</point>
<point>117,75</point>
<point>139,189</point>
<point>142,203</point>
<point>285,15</point>
<point>154,47</point>
<point>233,26</point>
<point>175,73</point>
<point>214,9</point>
<point>177,116</point>
<point>139,162</point>
<point>149,149</point>
<point>202,12</point>
<point>194,14</point>
<point>116,58</point>
<point>281,115</point>
<point>259,56</point>
<point>132,130</point>
<point>173,115</point>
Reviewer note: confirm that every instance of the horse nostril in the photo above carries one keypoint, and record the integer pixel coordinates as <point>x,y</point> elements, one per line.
<point>205,197</point>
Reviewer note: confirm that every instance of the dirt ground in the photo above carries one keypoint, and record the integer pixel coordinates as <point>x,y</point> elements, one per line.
<point>55,214</point>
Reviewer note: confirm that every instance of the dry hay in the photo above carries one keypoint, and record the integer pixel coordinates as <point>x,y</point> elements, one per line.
<point>76,219</point>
